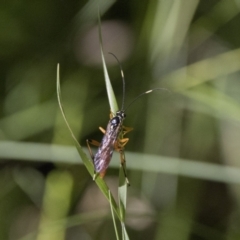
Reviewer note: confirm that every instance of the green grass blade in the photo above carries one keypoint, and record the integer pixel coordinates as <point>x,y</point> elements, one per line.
<point>111,96</point>
<point>122,194</point>
<point>87,162</point>
<point>122,198</point>
<point>113,217</point>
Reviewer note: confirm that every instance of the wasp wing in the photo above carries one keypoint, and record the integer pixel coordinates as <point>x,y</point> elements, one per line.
<point>104,154</point>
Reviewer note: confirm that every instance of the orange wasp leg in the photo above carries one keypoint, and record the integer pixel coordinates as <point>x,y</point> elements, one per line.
<point>123,163</point>
<point>124,167</point>
<point>126,130</point>
<point>102,130</point>
<point>119,147</point>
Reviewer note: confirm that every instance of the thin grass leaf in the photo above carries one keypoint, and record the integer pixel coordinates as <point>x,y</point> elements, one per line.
<point>87,162</point>
<point>122,193</point>
<point>111,96</point>
<point>113,217</point>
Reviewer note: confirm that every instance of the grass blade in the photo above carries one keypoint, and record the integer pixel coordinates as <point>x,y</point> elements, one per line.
<point>122,193</point>
<point>111,96</point>
<point>113,217</point>
<point>124,232</point>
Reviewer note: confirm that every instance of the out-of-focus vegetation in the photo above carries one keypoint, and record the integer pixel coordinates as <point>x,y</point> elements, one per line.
<point>183,156</point>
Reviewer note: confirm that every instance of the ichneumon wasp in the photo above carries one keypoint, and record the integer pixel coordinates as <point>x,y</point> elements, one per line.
<point>113,138</point>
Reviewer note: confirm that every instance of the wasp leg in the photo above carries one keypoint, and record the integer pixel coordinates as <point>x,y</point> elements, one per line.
<point>102,174</point>
<point>111,114</point>
<point>102,130</point>
<point>122,142</point>
<point>126,130</point>
<point>123,163</point>
<point>94,143</point>
<point>119,147</point>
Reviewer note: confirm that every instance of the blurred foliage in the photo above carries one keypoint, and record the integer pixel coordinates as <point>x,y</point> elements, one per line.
<point>183,154</point>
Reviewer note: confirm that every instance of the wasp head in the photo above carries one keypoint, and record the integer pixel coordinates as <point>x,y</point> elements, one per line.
<point>121,115</point>
<point>115,121</point>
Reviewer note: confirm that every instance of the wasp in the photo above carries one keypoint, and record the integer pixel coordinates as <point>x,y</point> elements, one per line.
<point>113,138</point>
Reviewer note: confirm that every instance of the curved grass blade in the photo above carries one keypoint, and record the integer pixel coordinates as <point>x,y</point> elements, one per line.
<point>87,162</point>
<point>111,96</point>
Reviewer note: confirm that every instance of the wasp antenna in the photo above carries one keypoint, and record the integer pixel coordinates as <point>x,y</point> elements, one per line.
<point>123,80</point>
<point>144,93</point>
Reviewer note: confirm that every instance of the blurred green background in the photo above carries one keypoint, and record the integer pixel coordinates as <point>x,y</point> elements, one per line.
<point>183,155</point>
